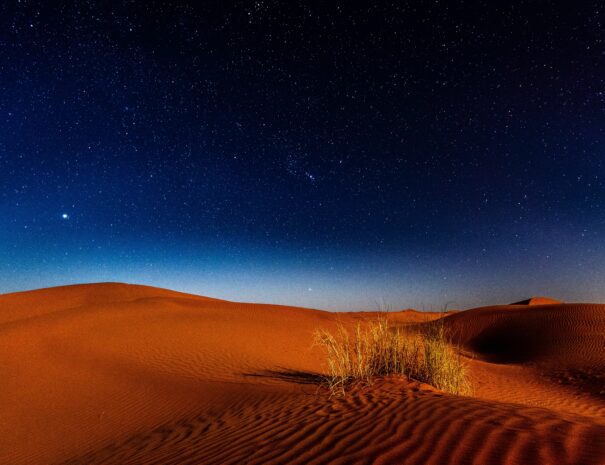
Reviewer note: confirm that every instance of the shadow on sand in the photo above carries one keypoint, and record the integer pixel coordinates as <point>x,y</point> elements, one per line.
<point>290,376</point>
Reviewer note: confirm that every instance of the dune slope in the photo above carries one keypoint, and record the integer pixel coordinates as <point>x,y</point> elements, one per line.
<point>121,374</point>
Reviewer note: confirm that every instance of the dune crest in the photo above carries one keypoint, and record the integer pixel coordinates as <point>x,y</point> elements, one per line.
<point>122,374</point>
<point>538,301</point>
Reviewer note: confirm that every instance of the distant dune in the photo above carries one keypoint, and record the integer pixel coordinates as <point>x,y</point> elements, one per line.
<point>538,301</point>
<point>123,374</point>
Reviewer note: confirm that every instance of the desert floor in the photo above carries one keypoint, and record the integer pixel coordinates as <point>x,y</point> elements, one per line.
<point>123,374</point>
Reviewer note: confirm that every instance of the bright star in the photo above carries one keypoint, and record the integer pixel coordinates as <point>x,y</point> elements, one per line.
<point>65,216</point>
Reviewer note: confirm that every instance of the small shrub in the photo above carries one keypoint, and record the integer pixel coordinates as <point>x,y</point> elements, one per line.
<point>378,349</point>
<point>442,362</point>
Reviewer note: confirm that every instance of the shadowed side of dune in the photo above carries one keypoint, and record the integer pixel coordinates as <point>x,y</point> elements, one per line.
<point>559,334</point>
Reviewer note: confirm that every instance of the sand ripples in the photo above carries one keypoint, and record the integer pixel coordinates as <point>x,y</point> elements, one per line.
<point>391,422</point>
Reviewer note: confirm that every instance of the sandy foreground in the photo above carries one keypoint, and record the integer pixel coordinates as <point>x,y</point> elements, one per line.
<point>124,374</point>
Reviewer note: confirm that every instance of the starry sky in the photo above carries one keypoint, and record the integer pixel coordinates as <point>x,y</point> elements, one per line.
<point>322,154</point>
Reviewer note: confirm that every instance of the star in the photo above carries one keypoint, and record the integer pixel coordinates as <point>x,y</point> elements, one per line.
<point>65,216</point>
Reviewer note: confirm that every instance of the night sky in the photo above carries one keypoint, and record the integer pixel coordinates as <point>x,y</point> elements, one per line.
<point>324,155</point>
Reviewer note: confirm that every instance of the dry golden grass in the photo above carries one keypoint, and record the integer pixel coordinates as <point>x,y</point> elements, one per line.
<point>378,349</point>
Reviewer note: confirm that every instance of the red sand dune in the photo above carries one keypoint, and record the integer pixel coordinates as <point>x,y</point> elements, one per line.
<point>121,374</point>
<point>538,301</point>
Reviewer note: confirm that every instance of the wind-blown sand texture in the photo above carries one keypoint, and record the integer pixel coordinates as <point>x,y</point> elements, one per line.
<point>123,374</point>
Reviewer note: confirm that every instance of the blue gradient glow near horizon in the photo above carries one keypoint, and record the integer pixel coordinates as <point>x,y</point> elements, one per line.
<point>317,279</point>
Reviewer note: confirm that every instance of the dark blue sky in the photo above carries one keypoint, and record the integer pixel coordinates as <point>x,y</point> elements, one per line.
<point>325,155</point>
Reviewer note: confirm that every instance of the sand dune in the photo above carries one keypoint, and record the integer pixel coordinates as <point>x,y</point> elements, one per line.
<point>538,301</point>
<point>121,374</point>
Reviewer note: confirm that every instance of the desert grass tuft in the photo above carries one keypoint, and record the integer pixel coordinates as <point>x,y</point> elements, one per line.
<point>442,364</point>
<point>376,348</point>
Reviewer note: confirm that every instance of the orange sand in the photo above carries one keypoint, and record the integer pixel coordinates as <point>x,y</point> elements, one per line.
<point>122,374</point>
